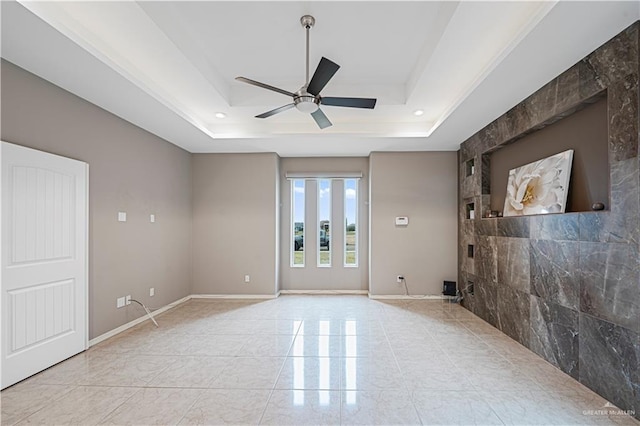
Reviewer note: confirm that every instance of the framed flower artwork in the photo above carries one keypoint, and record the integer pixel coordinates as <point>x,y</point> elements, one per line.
<point>540,187</point>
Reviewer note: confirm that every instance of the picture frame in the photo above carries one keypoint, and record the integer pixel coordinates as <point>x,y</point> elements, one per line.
<point>540,187</point>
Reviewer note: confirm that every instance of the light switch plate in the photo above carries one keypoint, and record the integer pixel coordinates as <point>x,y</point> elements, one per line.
<point>152,291</point>
<point>152,218</point>
<point>402,221</point>
<point>122,216</point>
<point>120,302</point>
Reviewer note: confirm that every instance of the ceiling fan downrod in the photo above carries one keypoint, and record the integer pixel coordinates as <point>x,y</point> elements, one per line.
<point>303,100</point>
<point>307,22</point>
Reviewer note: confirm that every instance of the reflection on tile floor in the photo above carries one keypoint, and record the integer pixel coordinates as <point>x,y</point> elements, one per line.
<point>307,360</point>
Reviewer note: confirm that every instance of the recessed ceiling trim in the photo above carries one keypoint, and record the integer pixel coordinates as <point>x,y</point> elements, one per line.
<point>479,36</point>
<point>88,27</point>
<point>438,26</point>
<point>376,130</point>
<point>190,44</point>
<point>544,9</point>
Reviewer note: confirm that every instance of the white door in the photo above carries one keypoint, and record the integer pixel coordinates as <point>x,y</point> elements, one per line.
<point>44,260</point>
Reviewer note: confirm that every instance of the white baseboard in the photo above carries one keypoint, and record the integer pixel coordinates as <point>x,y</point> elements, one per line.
<point>342,292</point>
<point>405,297</point>
<point>234,296</point>
<point>135,322</point>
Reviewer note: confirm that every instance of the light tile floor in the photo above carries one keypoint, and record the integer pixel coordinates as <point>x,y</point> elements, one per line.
<point>307,360</point>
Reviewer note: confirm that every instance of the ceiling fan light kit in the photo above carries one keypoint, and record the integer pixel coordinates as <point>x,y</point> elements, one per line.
<point>305,102</point>
<point>307,99</point>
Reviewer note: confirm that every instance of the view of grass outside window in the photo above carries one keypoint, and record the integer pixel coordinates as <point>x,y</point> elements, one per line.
<point>324,217</point>
<point>351,222</point>
<point>297,213</point>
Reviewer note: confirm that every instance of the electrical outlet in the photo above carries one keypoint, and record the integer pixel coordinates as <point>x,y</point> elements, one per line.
<point>152,292</point>
<point>399,278</point>
<point>247,278</point>
<point>128,299</point>
<point>120,302</point>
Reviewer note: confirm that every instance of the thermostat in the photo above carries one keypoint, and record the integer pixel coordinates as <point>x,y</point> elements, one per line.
<point>402,221</point>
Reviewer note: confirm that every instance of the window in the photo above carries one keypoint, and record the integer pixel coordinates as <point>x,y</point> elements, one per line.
<point>332,204</point>
<point>324,218</point>
<point>351,222</point>
<point>297,224</point>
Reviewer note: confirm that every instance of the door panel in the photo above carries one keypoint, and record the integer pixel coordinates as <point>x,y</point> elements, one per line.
<point>41,313</point>
<point>43,214</point>
<point>44,260</point>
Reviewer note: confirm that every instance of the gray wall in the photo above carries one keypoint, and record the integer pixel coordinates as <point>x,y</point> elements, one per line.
<point>129,170</point>
<point>422,186</point>
<point>567,286</point>
<point>235,223</point>
<point>337,277</point>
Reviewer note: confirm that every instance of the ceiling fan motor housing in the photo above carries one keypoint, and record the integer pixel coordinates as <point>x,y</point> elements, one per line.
<point>306,102</point>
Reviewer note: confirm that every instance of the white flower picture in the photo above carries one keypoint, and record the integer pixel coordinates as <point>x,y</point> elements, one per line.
<point>539,187</point>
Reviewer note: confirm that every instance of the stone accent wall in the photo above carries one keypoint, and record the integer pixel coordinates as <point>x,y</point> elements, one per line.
<point>567,286</point>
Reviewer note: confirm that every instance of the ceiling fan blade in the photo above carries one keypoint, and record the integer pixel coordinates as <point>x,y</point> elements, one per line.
<point>321,119</point>
<point>275,111</point>
<point>349,102</point>
<point>264,86</point>
<point>326,69</point>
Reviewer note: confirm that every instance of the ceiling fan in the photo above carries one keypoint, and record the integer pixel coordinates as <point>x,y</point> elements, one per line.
<point>307,98</point>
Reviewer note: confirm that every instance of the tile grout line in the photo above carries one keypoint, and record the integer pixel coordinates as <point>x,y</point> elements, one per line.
<point>191,406</point>
<point>25,417</point>
<point>404,382</point>
<point>105,417</point>
<point>275,383</point>
<point>477,390</point>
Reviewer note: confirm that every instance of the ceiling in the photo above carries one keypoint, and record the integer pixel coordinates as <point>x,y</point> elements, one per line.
<point>170,66</point>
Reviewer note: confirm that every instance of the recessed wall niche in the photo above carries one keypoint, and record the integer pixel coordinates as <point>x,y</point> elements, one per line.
<point>585,131</point>
<point>470,211</point>
<point>470,167</point>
